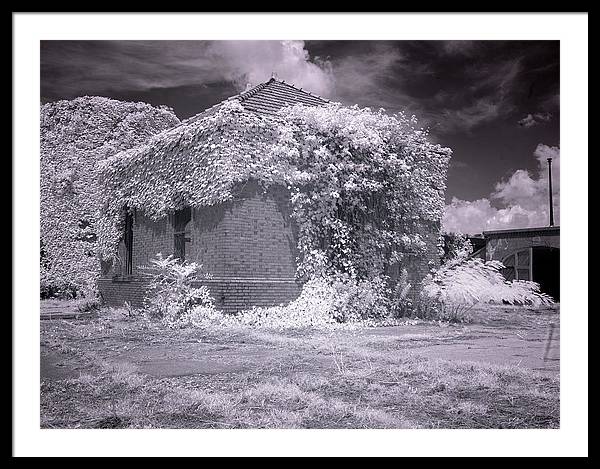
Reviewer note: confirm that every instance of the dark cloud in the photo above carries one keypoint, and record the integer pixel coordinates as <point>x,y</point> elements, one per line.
<point>70,68</point>
<point>470,94</point>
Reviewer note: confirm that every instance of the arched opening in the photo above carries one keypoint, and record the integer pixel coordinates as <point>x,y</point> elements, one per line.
<point>538,263</point>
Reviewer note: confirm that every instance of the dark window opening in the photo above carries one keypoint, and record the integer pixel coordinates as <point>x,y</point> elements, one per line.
<point>128,241</point>
<point>180,220</point>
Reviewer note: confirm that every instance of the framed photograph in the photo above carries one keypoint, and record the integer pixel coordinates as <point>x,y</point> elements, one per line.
<point>259,231</point>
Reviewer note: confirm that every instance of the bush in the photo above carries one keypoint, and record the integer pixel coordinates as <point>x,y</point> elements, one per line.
<point>474,281</point>
<point>353,300</point>
<point>323,303</point>
<point>435,310</point>
<point>74,136</point>
<point>51,288</point>
<point>88,304</point>
<point>457,248</point>
<point>171,293</point>
<point>400,303</point>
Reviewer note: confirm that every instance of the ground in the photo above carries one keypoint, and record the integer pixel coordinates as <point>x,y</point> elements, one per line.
<point>111,371</point>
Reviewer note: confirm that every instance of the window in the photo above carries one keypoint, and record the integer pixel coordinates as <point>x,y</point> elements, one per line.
<point>128,241</point>
<point>180,220</point>
<point>518,266</point>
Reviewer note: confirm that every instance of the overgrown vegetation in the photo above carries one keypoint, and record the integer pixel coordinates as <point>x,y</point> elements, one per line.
<point>461,283</point>
<point>322,304</point>
<point>142,375</point>
<point>74,136</point>
<point>173,291</point>
<point>176,297</point>
<point>457,247</point>
<point>366,187</point>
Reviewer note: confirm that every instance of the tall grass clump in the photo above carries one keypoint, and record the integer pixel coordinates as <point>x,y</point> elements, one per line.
<point>457,286</point>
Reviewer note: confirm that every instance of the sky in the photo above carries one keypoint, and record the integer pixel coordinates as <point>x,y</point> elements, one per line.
<point>494,103</point>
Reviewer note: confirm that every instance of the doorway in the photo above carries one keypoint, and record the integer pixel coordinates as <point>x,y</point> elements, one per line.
<point>538,263</point>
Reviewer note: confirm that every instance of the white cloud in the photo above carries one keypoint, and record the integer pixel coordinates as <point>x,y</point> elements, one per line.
<point>360,77</point>
<point>523,200</point>
<point>254,62</point>
<point>527,121</point>
<point>480,112</point>
<point>144,65</point>
<point>531,120</point>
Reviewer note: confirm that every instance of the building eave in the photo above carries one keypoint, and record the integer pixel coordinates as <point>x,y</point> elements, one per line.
<point>544,229</point>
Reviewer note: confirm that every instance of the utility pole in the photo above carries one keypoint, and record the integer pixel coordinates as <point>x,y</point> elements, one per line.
<point>550,191</point>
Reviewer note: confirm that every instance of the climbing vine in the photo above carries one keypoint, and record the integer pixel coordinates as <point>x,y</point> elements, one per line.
<point>366,188</point>
<point>74,136</point>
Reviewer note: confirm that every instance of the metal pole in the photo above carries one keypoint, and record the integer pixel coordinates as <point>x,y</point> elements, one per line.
<point>550,191</point>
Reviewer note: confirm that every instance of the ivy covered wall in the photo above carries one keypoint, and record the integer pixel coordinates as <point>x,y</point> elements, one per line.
<point>365,191</point>
<point>74,136</point>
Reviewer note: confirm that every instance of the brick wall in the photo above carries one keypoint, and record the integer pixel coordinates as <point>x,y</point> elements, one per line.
<point>252,236</point>
<point>230,294</point>
<point>248,245</point>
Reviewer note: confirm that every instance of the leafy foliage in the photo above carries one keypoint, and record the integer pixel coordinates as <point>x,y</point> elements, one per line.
<point>171,291</point>
<point>370,187</point>
<point>400,303</point>
<point>366,187</point>
<point>323,303</point>
<point>74,136</point>
<point>457,248</point>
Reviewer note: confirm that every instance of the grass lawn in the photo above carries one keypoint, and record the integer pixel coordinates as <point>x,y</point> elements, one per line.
<point>113,372</point>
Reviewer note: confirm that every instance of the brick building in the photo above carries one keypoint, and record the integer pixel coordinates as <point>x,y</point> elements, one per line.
<point>248,244</point>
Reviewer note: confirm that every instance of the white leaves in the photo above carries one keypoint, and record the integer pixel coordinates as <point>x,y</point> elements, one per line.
<point>78,139</point>
<point>474,281</point>
<point>361,182</point>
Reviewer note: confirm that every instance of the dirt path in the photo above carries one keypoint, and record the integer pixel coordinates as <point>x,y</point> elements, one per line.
<point>537,349</point>
<point>128,373</point>
<point>522,340</point>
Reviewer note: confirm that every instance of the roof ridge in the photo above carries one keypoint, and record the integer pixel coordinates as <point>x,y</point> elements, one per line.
<point>251,92</point>
<point>245,95</point>
<point>291,85</point>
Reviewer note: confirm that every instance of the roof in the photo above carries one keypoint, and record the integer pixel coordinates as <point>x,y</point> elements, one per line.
<point>267,98</point>
<point>542,229</point>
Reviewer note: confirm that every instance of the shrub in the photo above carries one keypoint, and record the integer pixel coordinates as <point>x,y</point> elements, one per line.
<point>323,303</point>
<point>474,281</point>
<point>350,300</point>
<point>172,290</point>
<point>436,310</point>
<point>400,303</point>
<point>457,248</point>
<point>88,304</point>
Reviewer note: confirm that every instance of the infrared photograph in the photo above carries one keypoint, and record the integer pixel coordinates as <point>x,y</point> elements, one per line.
<point>300,234</point>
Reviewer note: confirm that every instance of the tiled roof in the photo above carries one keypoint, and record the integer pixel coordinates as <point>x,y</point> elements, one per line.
<point>269,97</point>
